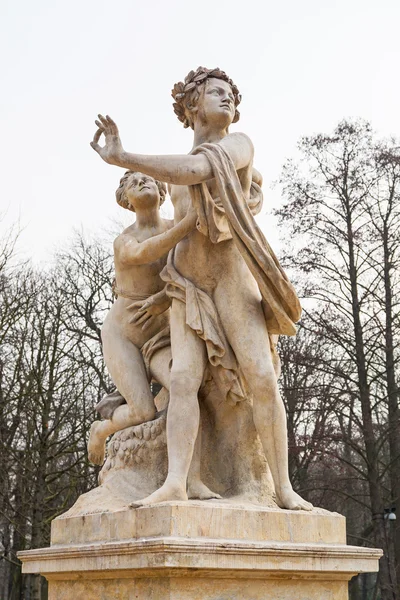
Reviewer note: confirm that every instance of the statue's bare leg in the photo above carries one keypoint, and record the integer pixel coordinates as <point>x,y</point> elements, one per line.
<point>195,487</point>
<point>240,310</point>
<point>125,364</point>
<point>189,361</point>
<point>160,367</point>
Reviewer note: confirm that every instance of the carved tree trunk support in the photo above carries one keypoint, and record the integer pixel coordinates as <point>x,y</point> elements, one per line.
<point>232,460</point>
<point>193,550</point>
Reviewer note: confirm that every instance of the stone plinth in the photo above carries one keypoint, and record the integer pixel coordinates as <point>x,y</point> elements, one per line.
<point>200,551</point>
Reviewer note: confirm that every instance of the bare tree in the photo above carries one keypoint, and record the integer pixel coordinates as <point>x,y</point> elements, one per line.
<point>330,203</point>
<point>51,376</point>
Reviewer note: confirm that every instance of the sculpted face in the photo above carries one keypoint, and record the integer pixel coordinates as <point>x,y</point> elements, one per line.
<point>141,191</point>
<point>216,104</point>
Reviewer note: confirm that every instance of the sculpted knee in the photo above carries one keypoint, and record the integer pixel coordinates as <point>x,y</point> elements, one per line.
<point>184,382</point>
<point>142,414</point>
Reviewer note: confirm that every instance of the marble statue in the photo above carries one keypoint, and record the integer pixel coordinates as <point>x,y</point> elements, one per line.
<point>128,343</point>
<point>230,296</point>
<point>136,333</point>
<point>207,293</point>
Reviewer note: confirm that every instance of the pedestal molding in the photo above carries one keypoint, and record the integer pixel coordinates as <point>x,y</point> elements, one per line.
<point>221,558</point>
<point>200,545</point>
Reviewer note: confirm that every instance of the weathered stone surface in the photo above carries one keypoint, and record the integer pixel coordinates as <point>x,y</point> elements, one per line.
<point>194,550</point>
<point>216,519</point>
<point>229,299</point>
<point>232,461</point>
<point>198,589</point>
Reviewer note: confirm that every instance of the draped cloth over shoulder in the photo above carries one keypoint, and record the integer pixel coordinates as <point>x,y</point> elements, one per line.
<point>231,217</point>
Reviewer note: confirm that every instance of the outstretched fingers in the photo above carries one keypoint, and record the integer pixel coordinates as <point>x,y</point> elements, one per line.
<point>112,148</point>
<point>95,143</point>
<point>103,120</point>
<point>112,125</point>
<point>109,126</point>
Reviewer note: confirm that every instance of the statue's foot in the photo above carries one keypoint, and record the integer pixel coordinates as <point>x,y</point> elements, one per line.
<point>169,491</point>
<point>96,445</point>
<point>287,498</point>
<point>197,489</point>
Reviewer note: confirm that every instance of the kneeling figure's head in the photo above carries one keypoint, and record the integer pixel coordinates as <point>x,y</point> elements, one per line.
<point>139,191</point>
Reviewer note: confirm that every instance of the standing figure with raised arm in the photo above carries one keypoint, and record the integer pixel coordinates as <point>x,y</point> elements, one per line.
<point>230,295</point>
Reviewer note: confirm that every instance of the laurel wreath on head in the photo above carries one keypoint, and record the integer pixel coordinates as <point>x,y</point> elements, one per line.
<point>194,79</point>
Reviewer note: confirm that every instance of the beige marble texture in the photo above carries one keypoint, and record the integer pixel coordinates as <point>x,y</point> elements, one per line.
<point>137,535</point>
<point>193,550</point>
<point>230,297</point>
<point>199,589</point>
<point>213,519</point>
<point>232,462</point>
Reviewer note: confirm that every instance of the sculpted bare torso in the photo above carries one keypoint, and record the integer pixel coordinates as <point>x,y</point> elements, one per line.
<point>207,102</point>
<point>197,258</point>
<point>135,282</point>
<point>140,254</point>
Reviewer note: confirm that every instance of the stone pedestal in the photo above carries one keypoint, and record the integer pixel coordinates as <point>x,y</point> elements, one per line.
<point>200,551</point>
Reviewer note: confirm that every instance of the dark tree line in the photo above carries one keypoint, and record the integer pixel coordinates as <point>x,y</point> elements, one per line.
<point>342,208</point>
<point>340,219</point>
<point>51,376</point>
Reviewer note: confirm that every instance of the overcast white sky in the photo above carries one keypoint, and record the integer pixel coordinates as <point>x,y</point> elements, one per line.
<point>300,66</point>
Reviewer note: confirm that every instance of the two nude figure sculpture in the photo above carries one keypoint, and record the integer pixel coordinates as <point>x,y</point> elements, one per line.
<point>202,294</point>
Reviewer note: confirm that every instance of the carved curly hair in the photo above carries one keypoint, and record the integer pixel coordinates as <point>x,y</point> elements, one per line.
<point>186,93</point>
<point>121,196</point>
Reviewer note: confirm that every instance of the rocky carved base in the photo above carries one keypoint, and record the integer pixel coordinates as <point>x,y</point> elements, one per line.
<point>232,460</point>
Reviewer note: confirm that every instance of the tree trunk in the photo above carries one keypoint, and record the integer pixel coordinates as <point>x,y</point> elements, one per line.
<point>38,508</point>
<point>393,399</point>
<point>388,592</point>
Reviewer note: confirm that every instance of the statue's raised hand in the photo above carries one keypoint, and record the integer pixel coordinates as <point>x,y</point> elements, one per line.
<point>112,152</point>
